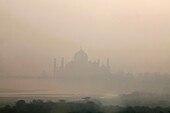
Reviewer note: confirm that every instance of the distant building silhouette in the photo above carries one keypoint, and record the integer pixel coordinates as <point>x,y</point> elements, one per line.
<point>44,74</point>
<point>55,67</point>
<point>81,65</point>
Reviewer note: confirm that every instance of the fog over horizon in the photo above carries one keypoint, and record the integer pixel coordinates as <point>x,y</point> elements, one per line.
<point>133,34</point>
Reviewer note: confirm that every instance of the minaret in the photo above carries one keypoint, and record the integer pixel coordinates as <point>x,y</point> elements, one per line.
<point>62,64</point>
<point>98,62</point>
<point>55,67</point>
<point>108,64</point>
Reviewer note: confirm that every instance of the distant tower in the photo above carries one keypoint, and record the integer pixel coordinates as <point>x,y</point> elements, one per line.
<point>108,64</point>
<point>98,62</point>
<point>55,67</point>
<point>44,74</point>
<point>62,64</point>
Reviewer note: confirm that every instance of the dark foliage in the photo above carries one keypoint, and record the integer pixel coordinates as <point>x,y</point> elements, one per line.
<point>85,106</point>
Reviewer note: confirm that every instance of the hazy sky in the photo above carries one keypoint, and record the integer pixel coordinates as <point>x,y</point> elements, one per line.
<point>134,34</point>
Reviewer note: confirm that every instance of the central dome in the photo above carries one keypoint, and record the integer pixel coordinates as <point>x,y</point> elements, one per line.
<point>80,57</point>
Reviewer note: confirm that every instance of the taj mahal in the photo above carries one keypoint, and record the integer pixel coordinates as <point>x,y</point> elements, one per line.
<point>81,66</point>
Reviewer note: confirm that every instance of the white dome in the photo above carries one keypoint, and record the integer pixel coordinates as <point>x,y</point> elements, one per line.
<point>80,56</point>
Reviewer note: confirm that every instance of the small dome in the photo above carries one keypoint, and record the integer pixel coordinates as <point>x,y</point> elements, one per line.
<point>80,56</point>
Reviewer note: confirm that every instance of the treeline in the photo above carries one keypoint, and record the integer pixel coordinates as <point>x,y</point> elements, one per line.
<point>84,106</point>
